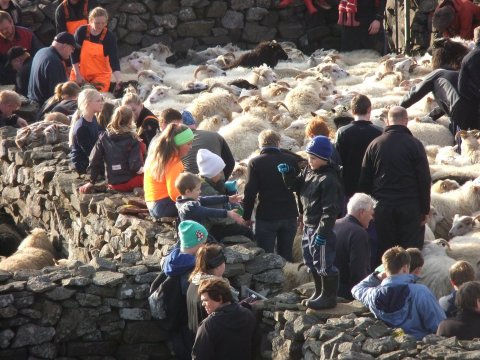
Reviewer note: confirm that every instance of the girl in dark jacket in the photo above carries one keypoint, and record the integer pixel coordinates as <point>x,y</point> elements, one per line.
<point>122,152</point>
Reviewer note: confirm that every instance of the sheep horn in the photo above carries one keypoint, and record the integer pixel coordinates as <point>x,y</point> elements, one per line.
<point>229,55</point>
<point>201,67</point>
<point>276,118</point>
<point>461,133</point>
<point>279,103</point>
<point>302,76</point>
<point>283,83</point>
<point>279,91</point>
<point>141,73</point>
<point>219,85</point>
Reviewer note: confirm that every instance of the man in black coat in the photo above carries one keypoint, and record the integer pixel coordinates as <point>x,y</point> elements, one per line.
<point>395,172</point>
<point>469,77</point>
<point>229,330</point>
<point>352,141</point>
<point>353,246</point>
<point>276,216</point>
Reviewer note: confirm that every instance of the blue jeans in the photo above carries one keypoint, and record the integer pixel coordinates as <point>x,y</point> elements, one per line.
<point>267,231</point>
<point>163,208</point>
<point>319,258</point>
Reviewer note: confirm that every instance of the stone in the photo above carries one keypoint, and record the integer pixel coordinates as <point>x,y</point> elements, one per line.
<point>51,313</point>
<point>239,254</point>
<point>31,334</point>
<point>232,20</point>
<point>133,270</point>
<point>318,33</point>
<point>133,8</point>
<point>216,9</point>
<point>88,300</point>
<point>242,4</point>
<point>341,309</point>
<point>85,270</point>
<point>168,6</point>
<point>195,3</point>
<point>394,355</point>
<point>234,270</point>
<point>255,33</point>
<point>378,346</point>
<point>196,28</point>
<point>38,285</point>
<point>187,14</point>
<point>99,263</point>
<point>341,323</point>
<point>99,348</point>
<point>274,276</point>
<point>131,351</point>
<point>353,355</point>
<point>31,313</point>
<point>136,24</point>
<point>23,299</point>
<point>301,324</point>
<point>378,330</point>
<point>8,311</point>
<point>146,278</point>
<point>77,281</point>
<point>256,13</point>
<point>6,300</point>
<point>130,257</point>
<point>133,38</point>
<point>265,262</point>
<point>75,322</point>
<point>5,337</point>
<point>44,351</point>
<point>166,21</point>
<point>285,349</point>
<point>108,278</point>
<point>134,314</point>
<point>5,275</point>
<point>144,331</point>
<point>289,30</point>
<point>25,274</point>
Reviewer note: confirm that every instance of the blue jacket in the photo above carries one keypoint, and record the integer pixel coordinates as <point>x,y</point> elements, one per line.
<point>399,302</point>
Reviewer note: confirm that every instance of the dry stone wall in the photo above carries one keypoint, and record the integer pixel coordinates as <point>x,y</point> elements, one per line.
<point>197,24</point>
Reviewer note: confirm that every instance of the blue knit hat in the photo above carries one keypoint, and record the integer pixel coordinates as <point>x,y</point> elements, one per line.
<point>321,147</point>
<point>187,118</point>
<point>191,234</point>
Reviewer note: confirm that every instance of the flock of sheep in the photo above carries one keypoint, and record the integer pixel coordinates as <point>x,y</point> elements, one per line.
<point>276,86</point>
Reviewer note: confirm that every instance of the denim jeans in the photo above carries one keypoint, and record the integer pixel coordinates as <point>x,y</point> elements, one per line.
<point>163,208</point>
<point>318,258</point>
<point>267,231</point>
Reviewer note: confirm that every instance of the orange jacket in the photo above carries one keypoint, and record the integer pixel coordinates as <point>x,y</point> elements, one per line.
<point>157,190</point>
<point>467,17</point>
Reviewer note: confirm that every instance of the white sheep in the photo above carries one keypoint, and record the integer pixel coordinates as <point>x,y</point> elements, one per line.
<point>213,123</point>
<point>296,274</point>
<point>150,76</point>
<point>158,93</point>
<point>210,104</point>
<point>464,200</point>
<point>431,134</point>
<point>305,97</point>
<point>436,266</point>
<point>442,186</point>
<point>464,224</point>
<point>470,147</point>
<point>262,76</point>
<point>203,72</point>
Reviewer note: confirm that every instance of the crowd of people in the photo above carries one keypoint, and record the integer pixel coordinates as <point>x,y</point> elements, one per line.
<point>332,196</point>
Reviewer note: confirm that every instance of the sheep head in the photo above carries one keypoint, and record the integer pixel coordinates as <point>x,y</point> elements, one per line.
<point>208,71</point>
<point>150,76</point>
<point>461,225</point>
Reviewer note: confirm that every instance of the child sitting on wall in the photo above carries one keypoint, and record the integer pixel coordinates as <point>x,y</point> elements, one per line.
<point>459,273</point>
<point>192,206</point>
<point>210,170</point>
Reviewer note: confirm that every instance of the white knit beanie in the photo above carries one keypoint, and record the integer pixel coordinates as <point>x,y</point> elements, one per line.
<point>209,164</point>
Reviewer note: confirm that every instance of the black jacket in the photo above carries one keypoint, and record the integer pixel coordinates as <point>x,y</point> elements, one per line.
<point>214,142</point>
<point>319,192</point>
<point>469,76</point>
<point>275,201</point>
<point>66,107</point>
<point>352,253</point>
<point>351,142</point>
<point>8,120</point>
<point>199,210</point>
<point>75,12</point>
<point>122,157</point>
<point>465,326</point>
<point>227,333</point>
<point>395,170</point>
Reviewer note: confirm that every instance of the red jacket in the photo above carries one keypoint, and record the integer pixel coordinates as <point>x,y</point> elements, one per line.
<point>23,37</point>
<point>466,19</point>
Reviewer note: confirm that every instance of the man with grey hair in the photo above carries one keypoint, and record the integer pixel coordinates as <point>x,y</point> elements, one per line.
<point>395,172</point>
<point>276,215</point>
<point>353,245</point>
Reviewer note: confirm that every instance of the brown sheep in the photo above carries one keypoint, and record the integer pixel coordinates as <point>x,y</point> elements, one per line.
<point>267,52</point>
<point>34,252</point>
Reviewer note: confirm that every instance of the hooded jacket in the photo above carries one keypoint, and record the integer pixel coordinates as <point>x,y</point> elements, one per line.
<point>227,333</point>
<point>199,210</point>
<point>399,302</point>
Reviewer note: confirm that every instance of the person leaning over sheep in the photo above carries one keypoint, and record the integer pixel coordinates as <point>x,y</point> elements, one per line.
<point>318,187</point>
<point>394,297</point>
<point>459,273</point>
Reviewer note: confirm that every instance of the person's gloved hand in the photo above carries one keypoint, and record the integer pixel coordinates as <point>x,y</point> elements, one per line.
<point>231,186</point>
<point>283,168</point>
<point>319,241</point>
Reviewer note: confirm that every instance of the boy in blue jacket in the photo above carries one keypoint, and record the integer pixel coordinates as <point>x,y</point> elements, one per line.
<point>393,296</point>
<point>318,188</point>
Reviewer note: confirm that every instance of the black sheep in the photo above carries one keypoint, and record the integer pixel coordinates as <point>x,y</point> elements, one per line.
<point>447,54</point>
<point>267,52</point>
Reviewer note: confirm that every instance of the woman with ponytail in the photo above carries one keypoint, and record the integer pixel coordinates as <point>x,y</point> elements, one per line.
<point>162,166</point>
<point>85,130</point>
<point>64,99</point>
<point>120,151</point>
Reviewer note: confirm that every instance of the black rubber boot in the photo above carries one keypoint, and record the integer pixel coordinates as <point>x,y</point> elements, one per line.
<point>328,298</point>
<point>317,279</point>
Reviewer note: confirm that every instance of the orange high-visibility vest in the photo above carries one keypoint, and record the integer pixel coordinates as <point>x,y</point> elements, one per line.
<point>73,25</point>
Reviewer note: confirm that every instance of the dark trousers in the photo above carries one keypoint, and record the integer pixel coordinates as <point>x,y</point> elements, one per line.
<point>319,258</point>
<point>163,208</point>
<point>267,231</point>
<point>398,225</point>
<point>357,38</point>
